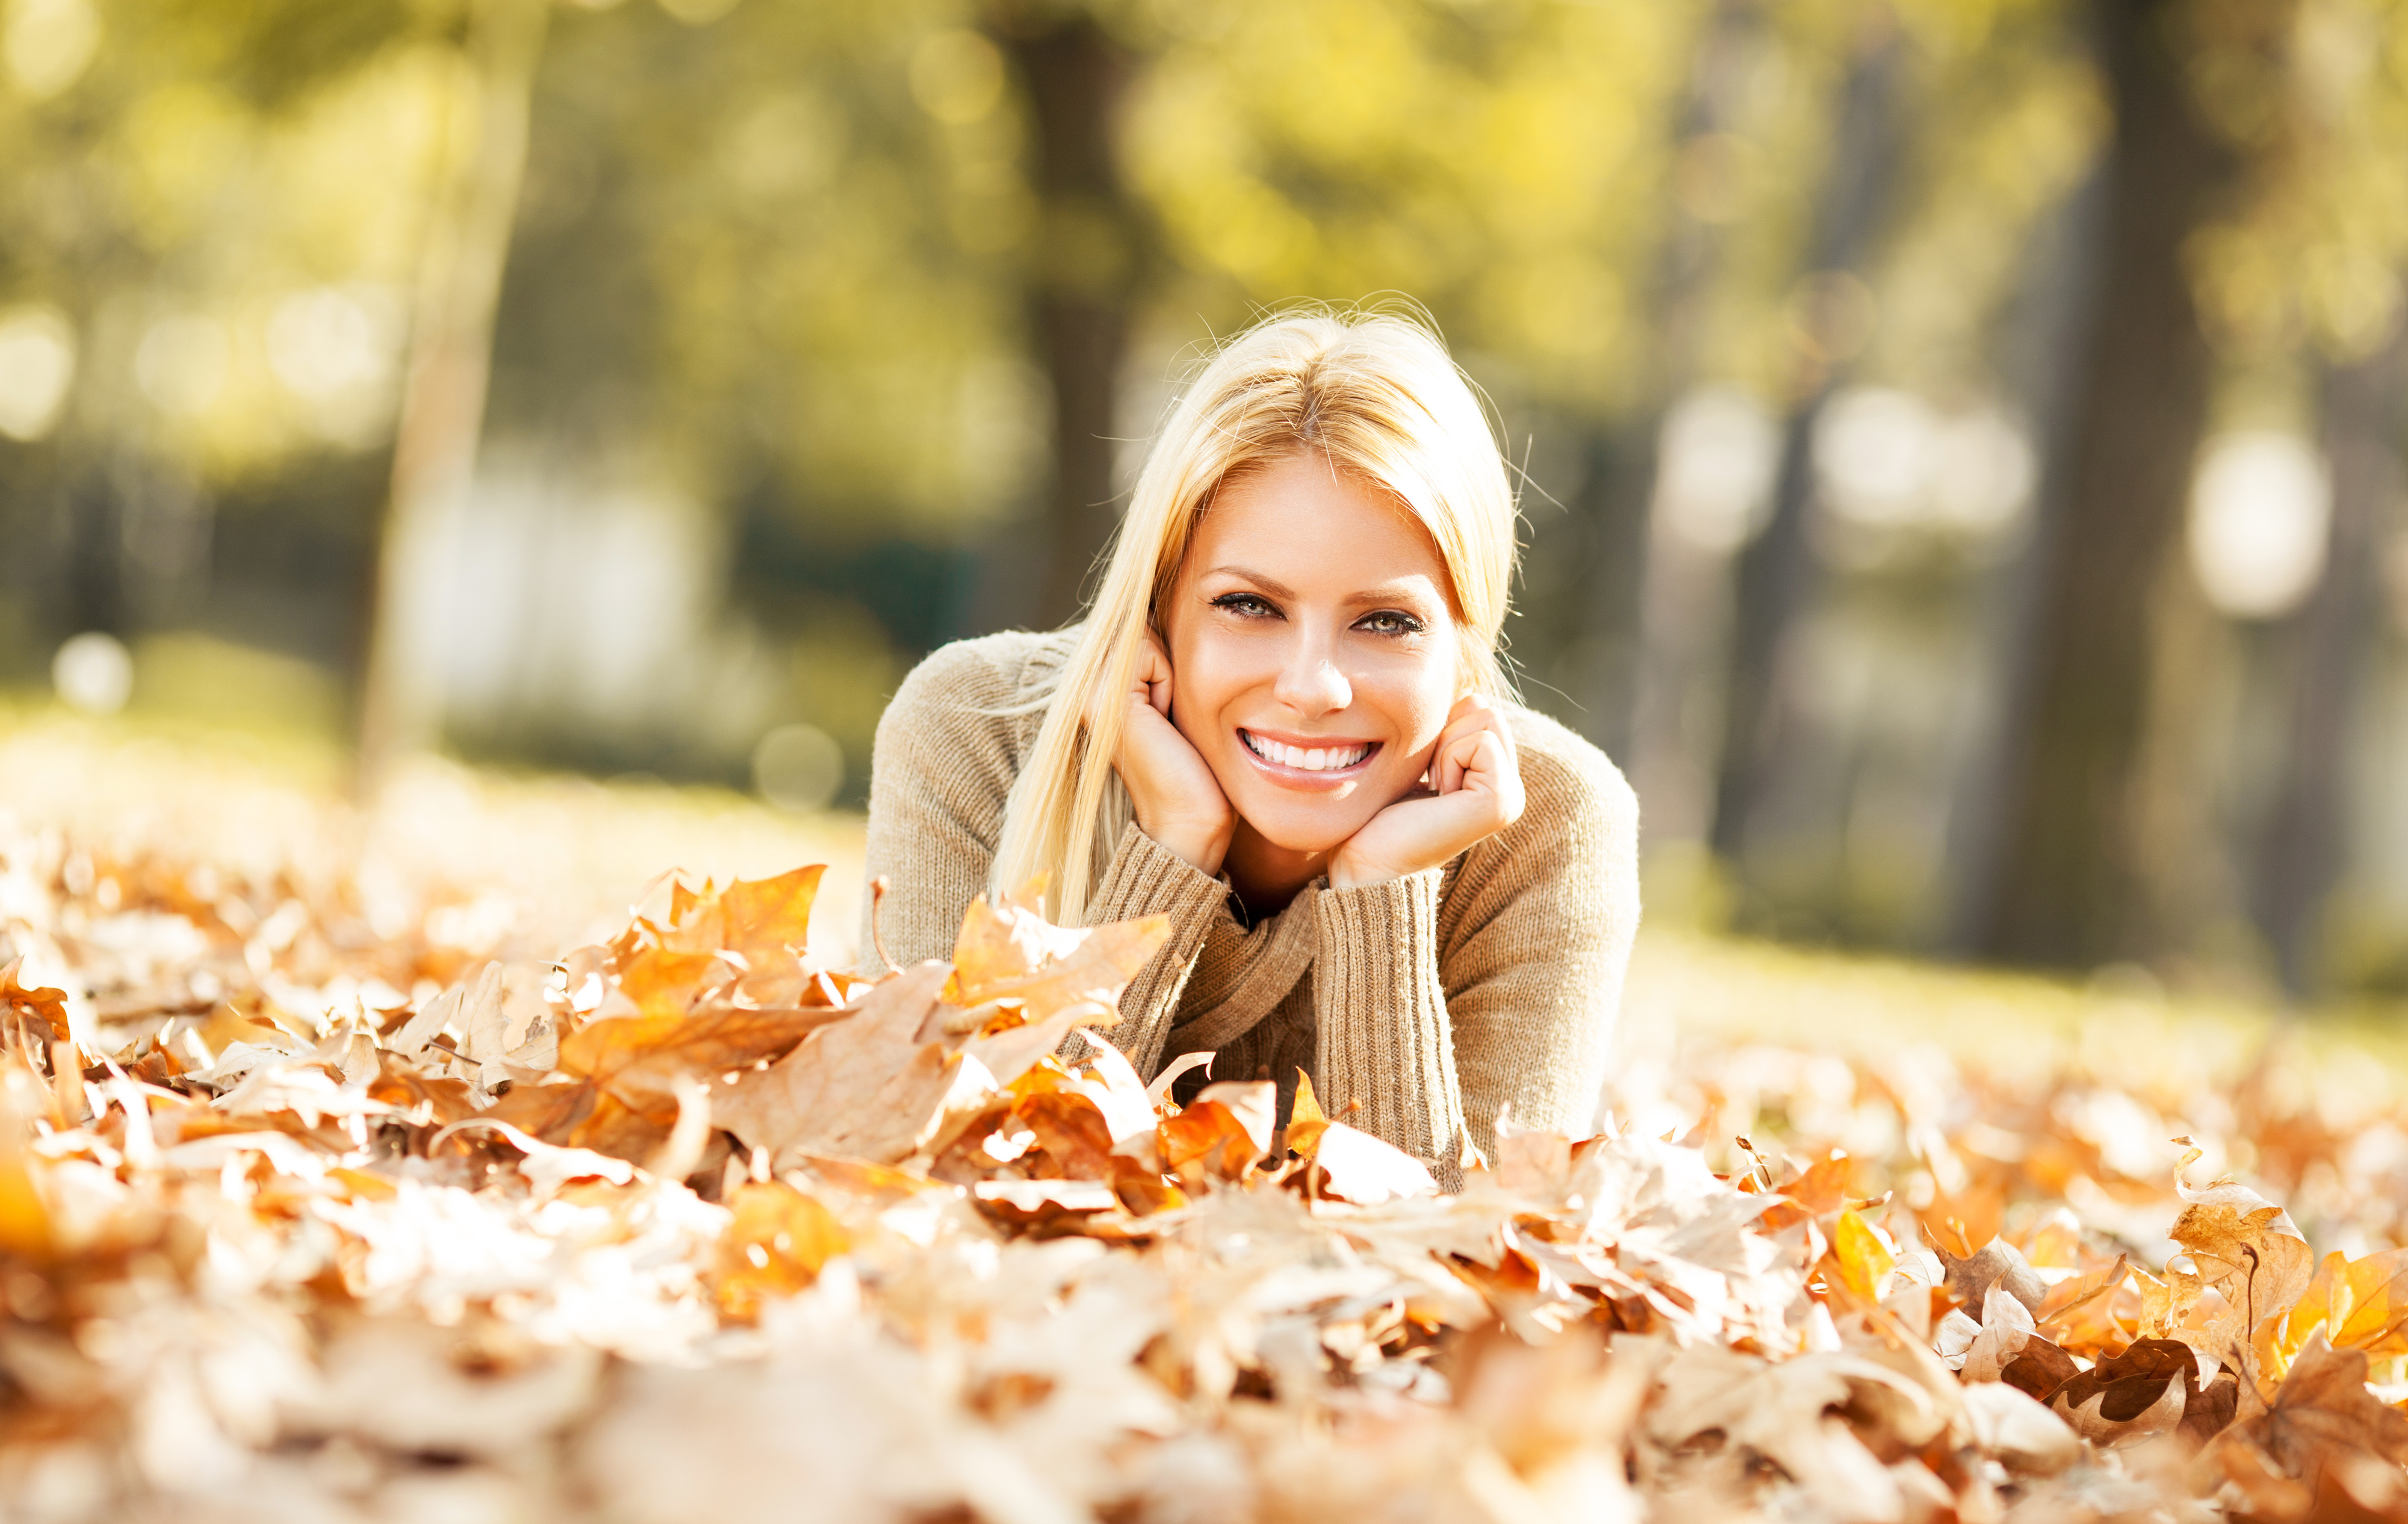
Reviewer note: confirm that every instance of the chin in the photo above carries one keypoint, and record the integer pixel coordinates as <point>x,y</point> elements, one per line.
<point>1305,839</point>
<point>1290,829</point>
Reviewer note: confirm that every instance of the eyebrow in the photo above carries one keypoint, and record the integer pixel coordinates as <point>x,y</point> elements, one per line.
<point>1389,592</point>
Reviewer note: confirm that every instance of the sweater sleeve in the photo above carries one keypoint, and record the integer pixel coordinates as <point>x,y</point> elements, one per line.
<point>1533,939</point>
<point>1441,1000</point>
<point>1382,1036</point>
<point>941,768</point>
<point>1147,878</point>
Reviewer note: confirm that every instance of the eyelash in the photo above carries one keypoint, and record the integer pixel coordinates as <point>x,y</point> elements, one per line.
<point>1250,606</point>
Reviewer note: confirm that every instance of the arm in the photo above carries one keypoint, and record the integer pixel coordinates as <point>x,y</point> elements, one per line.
<point>1383,1035</point>
<point>1167,858</point>
<point>1148,878</point>
<point>1435,1013</point>
<point>937,785</point>
<point>1536,936</point>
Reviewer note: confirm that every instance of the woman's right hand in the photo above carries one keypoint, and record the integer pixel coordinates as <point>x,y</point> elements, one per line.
<point>1179,802</point>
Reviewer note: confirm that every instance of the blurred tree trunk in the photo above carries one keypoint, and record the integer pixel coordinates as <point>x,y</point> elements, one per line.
<point>443,400</point>
<point>1774,583</point>
<point>2301,855</point>
<point>2072,884</point>
<point>1082,272</point>
<point>2040,355</point>
<point>95,530</point>
<point>1618,488</point>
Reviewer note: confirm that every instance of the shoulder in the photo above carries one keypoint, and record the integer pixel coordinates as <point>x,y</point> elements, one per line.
<point>957,731</point>
<point>1568,868</point>
<point>1560,886</point>
<point>994,687</point>
<point>990,672</point>
<point>1573,791</point>
<point>969,711</point>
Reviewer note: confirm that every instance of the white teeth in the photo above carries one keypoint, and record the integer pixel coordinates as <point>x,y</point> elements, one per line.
<point>1316,760</point>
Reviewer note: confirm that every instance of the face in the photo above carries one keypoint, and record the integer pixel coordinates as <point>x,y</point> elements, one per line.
<point>1314,651</point>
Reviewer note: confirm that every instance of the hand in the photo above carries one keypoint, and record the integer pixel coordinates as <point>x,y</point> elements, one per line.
<point>1179,802</point>
<point>1475,790</point>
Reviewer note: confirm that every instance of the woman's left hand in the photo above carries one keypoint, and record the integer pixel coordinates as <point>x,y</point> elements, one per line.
<point>1475,790</point>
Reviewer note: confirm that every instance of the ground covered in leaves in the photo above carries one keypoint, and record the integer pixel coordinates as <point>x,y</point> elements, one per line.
<point>312,1209</point>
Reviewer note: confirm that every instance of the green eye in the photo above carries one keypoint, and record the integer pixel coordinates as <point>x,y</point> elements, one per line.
<point>1390,621</point>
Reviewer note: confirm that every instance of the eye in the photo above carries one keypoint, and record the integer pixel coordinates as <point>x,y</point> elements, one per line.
<point>1246,606</point>
<point>1391,621</point>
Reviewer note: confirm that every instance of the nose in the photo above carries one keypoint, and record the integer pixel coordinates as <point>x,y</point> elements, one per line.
<point>1309,681</point>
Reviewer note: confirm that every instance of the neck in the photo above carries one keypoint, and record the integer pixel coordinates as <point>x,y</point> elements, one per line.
<point>1267,877</point>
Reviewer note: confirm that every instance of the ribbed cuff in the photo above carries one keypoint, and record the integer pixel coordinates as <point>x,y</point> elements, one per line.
<point>1383,1038</point>
<point>1147,878</point>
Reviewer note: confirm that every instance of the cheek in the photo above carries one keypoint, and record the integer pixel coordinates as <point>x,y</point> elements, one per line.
<point>1415,702</point>
<point>1208,671</point>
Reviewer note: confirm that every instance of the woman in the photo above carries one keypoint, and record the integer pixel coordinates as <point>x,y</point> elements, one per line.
<point>1283,725</point>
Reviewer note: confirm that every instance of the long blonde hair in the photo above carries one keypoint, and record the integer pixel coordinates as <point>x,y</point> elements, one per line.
<point>1372,392</point>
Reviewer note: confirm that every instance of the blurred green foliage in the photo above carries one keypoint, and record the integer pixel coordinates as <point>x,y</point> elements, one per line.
<point>773,275</point>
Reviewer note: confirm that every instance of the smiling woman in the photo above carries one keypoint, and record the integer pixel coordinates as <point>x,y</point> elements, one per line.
<point>1282,724</point>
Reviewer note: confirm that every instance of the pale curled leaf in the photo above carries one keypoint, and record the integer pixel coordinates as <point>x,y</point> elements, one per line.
<point>2246,1247</point>
<point>1006,953</point>
<point>864,1086</point>
<point>1365,1171</point>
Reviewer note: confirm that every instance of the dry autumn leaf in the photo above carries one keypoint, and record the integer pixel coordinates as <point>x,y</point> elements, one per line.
<point>637,1058</point>
<point>2248,1251</point>
<point>2355,1303</point>
<point>2130,1397</point>
<point>865,1085</point>
<point>2323,1432</point>
<point>1006,953</point>
<point>860,1297</point>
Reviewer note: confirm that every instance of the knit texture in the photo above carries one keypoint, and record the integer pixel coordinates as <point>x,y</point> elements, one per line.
<point>1439,1001</point>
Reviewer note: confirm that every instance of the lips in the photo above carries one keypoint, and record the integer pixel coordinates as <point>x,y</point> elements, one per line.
<point>1334,758</point>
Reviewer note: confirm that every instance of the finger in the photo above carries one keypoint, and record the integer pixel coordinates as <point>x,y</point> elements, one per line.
<point>1153,683</point>
<point>1480,761</point>
<point>1454,759</point>
<point>1473,716</point>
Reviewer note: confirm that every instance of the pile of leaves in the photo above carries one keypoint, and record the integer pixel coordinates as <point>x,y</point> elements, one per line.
<point>301,1221</point>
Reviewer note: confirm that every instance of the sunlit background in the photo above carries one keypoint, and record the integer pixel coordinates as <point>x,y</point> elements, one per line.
<point>1960,439</point>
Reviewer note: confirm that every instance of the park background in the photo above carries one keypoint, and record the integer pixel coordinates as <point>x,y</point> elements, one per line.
<point>1958,439</point>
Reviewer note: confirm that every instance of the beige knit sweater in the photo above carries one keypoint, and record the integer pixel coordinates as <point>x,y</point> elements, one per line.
<point>1437,1001</point>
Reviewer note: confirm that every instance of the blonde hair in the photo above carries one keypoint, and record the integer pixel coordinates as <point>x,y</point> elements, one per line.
<point>1376,395</point>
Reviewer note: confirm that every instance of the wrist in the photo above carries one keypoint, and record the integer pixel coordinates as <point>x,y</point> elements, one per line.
<point>1350,873</point>
<point>1200,844</point>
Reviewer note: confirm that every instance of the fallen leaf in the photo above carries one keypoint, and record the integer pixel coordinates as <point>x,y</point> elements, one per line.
<point>863,1085</point>
<point>640,1058</point>
<point>1865,1260</point>
<point>1009,953</point>
<point>1359,1168</point>
<point>2248,1251</point>
<point>2008,1425</point>
<point>1996,1262</point>
<point>776,1242</point>
<point>2357,1303</point>
<point>2130,1397</point>
<point>2323,1424</point>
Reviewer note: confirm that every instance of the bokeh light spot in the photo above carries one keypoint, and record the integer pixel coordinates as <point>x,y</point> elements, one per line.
<point>94,672</point>
<point>2259,507</point>
<point>799,767</point>
<point>37,358</point>
<point>956,76</point>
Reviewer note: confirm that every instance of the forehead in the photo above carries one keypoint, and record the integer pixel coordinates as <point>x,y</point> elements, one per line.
<point>1314,526</point>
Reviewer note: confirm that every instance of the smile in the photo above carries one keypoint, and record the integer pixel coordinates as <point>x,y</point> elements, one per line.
<point>1340,757</point>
